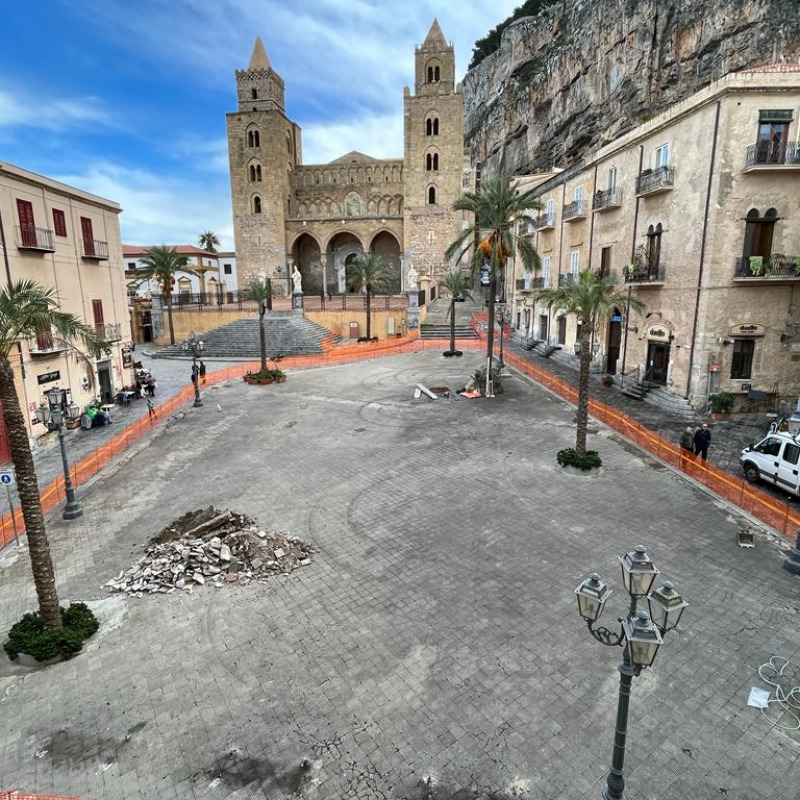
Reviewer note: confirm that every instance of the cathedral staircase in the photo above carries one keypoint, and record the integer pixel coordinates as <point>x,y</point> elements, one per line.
<point>288,333</point>
<point>437,321</point>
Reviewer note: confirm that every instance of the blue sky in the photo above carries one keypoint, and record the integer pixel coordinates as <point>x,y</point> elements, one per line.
<point>128,99</point>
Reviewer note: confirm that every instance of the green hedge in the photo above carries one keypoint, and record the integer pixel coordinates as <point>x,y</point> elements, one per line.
<point>569,458</point>
<point>29,635</point>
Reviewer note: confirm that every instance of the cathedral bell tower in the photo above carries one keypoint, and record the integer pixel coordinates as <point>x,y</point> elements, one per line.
<point>434,158</point>
<point>263,151</point>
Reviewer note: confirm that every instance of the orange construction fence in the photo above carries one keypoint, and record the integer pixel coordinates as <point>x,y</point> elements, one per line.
<point>779,515</point>
<point>26,796</point>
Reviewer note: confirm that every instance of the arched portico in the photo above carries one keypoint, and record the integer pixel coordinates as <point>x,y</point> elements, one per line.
<point>307,257</point>
<point>385,244</point>
<point>342,249</point>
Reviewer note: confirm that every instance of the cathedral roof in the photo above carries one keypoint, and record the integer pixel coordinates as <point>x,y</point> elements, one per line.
<point>435,37</point>
<point>259,58</point>
<point>354,157</point>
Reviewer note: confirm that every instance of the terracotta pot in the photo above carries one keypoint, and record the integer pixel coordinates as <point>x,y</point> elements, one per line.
<point>281,380</point>
<point>265,381</point>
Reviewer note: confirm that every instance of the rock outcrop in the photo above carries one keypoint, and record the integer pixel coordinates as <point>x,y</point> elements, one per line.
<point>582,72</point>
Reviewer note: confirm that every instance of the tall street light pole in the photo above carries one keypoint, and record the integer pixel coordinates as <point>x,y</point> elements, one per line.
<point>53,414</point>
<point>640,635</point>
<point>196,346</point>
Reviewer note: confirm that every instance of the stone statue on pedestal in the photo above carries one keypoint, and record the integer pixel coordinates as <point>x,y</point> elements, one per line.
<point>412,278</point>
<point>297,280</point>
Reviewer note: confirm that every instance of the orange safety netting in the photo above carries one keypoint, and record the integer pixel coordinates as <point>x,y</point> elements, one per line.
<point>27,796</point>
<point>773,512</point>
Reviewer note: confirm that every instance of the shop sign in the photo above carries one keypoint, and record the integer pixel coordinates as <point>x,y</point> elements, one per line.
<point>48,377</point>
<point>748,329</point>
<point>127,357</point>
<point>658,333</point>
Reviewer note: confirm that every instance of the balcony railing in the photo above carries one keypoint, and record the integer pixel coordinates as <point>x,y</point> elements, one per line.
<point>647,274</point>
<point>607,198</point>
<point>574,211</point>
<point>44,344</point>
<point>655,180</point>
<point>606,273</point>
<point>768,154</point>
<point>768,267</point>
<point>95,249</point>
<point>108,331</point>
<point>31,238</point>
<point>530,283</point>
<point>566,279</point>
<point>544,222</point>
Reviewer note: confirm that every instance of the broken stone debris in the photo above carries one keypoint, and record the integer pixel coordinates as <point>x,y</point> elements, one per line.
<point>214,546</point>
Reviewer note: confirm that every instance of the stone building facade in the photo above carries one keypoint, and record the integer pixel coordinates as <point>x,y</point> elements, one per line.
<point>319,217</point>
<point>69,240</point>
<point>695,212</point>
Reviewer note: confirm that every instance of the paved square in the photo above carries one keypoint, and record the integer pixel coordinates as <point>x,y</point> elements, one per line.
<point>435,634</point>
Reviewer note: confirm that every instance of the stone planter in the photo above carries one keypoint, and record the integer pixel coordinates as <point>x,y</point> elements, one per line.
<point>24,660</point>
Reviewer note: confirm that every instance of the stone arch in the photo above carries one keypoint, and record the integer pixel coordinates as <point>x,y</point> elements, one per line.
<point>432,123</point>
<point>254,171</point>
<point>386,244</point>
<point>433,71</point>
<point>341,248</point>
<point>255,204</point>
<point>352,206</point>
<point>432,160</point>
<point>431,195</point>
<point>253,136</point>
<point>307,257</point>
<point>289,143</point>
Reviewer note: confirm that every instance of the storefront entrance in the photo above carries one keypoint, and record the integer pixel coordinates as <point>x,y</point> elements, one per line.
<point>657,362</point>
<point>613,342</point>
<point>104,378</point>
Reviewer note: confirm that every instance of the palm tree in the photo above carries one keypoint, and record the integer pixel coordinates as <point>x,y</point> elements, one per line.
<point>260,290</point>
<point>161,263</point>
<point>591,298</point>
<point>457,285</point>
<point>499,208</point>
<point>208,241</point>
<point>28,310</point>
<point>369,274</point>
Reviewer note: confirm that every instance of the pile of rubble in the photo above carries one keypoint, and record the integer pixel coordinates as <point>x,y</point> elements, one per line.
<point>210,546</point>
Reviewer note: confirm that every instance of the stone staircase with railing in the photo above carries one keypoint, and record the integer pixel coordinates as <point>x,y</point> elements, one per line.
<point>639,387</point>
<point>437,321</point>
<point>287,333</point>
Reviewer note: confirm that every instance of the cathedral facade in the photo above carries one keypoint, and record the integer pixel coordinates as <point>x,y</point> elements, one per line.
<point>319,217</point>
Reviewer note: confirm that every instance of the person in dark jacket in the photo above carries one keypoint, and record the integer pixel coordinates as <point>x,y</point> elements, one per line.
<point>686,443</point>
<point>202,373</point>
<point>702,439</point>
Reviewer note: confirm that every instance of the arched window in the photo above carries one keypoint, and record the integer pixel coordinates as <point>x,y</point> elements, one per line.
<point>352,205</point>
<point>654,249</point>
<point>288,143</point>
<point>758,232</point>
<point>256,204</point>
<point>258,172</point>
<point>252,173</point>
<point>432,126</point>
<point>255,173</point>
<point>254,94</point>
<point>431,195</point>
<point>253,138</point>
<point>436,74</point>
<point>430,74</point>
<point>432,162</point>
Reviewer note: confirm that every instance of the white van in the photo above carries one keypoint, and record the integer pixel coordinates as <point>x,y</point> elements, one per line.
<point>774,460</point>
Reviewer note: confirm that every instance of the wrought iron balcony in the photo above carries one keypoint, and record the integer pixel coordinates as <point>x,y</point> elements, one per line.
<point>566,279</point>
<point>606,273</point>
<point>652,181</point>
<point>574,211</point>
<point>768,268</point>
<point>108,331</point>
<point>95,250</point>
<point>530,283</point>
<point>652,274</point>
<point>44,345</point>
<point>766,155</point>
<point>31,238</point>
<point>544,222</point>
<point>606,199</point>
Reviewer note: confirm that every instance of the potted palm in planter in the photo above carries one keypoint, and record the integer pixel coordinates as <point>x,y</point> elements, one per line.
<point>721,405</point>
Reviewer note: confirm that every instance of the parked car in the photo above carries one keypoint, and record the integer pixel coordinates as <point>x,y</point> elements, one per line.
<point>774,460</point>
<point>485,277</point>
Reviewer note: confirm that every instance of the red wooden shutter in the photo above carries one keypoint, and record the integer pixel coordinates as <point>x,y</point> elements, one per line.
<point>59,222</point>
<point>88,236</point>
<point>27,227</point>
<point>97,311</point>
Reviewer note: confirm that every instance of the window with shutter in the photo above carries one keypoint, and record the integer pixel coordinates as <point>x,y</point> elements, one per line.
<point>59,222</point>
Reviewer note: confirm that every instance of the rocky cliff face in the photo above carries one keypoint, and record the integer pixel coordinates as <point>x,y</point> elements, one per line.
<point>582,72</point>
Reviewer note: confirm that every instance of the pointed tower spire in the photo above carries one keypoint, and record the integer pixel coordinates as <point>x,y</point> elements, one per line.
<point>435,37</point>
<point>259,58</point>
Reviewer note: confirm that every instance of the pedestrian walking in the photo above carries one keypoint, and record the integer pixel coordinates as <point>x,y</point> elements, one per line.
<point>686,443</point>
<point>702,439</point>
<point>202,373</point>
<point>151,408</point>
<point>150,385</point>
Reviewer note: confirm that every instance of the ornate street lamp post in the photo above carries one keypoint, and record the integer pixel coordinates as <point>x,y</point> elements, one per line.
<point>53,414</point>
<point>196,346</point>
<point>640,635</point>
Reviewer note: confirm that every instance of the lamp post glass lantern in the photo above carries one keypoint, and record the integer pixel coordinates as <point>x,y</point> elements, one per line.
<point>53,414</point>
<point>640,634</point>
<point>196,346</point>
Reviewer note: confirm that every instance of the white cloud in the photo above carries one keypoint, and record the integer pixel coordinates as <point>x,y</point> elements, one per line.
<point>16,110</point>
<point>158,209</point>
<point>377,136</point>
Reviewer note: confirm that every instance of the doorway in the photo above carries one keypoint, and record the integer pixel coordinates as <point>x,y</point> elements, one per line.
<point>657,362</point>
<point>613,342</point>
<point>543,319</point>
<point>104,378</point>
<point>562,331</point>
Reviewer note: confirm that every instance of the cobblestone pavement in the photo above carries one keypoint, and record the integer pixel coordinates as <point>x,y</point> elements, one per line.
<point>432,649</point>
<point>729,437</point>
<point>171,376</point>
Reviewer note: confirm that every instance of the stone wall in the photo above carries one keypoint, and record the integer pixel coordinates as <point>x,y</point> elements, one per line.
<point>580,74</point>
